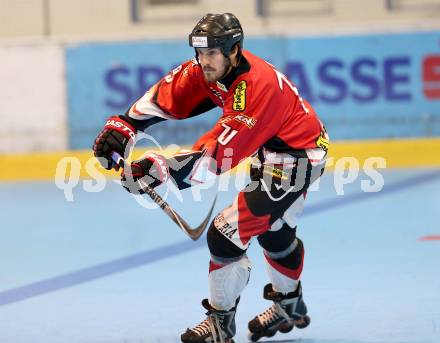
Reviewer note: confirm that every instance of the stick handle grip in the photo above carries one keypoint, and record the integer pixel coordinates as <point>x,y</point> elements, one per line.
<point>117,159</point>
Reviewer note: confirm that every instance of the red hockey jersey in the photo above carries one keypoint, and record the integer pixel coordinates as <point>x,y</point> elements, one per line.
<point>261,107</point>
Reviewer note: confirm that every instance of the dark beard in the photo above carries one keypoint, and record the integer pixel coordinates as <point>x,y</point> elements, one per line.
<point>228,67</point>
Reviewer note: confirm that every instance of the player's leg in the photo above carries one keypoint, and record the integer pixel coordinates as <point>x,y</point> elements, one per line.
<point>283,251</point>
<point>228,239</point>
<point>229,271</point>
<point>284,256</point>
<point>252,213</point>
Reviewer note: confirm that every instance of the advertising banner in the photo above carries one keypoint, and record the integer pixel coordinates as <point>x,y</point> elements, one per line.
<point>362,86</point>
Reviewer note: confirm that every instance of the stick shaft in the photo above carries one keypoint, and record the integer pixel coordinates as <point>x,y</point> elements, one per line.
<point>195,233</point>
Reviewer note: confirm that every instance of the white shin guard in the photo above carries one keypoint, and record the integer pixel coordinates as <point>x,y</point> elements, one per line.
<point>227,281</point>
<point>280,282</point>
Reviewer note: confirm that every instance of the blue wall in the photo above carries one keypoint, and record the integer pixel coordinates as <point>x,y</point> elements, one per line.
<point>366,86</point>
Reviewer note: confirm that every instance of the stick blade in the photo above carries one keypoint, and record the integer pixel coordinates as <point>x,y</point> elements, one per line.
<point>195,233</point>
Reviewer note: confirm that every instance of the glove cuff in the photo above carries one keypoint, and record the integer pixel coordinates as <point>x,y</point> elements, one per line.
<point>120,125</point>
<point>160,165</point>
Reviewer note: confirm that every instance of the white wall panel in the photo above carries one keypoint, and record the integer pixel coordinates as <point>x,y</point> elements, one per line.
<point>32,98</point>
<point>22,18</point>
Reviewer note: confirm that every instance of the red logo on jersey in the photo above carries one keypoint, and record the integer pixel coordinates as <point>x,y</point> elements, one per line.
<point>248,121</point>
<point>241,118</point>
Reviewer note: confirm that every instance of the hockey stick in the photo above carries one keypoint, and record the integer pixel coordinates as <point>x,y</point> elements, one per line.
<point>193,233</point>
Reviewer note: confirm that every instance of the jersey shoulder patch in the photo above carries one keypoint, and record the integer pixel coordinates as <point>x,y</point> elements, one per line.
<point>239,103</point>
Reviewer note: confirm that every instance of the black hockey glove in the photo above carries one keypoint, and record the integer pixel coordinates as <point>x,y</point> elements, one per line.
<point>152,170</point>
<point>114,137</point>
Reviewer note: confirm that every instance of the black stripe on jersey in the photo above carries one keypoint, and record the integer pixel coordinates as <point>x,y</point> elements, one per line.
<point>141,125</point>
<point>180,167</point>
<point>278,145</point>
<point>204,106</point>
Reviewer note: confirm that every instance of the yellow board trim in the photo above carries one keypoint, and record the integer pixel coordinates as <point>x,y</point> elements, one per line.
<point>402,153</point>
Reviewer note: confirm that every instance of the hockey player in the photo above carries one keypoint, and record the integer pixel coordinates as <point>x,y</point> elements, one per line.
<point>264,117</point>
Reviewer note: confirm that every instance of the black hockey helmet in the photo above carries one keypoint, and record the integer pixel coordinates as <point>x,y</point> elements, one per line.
<point>217,31</point>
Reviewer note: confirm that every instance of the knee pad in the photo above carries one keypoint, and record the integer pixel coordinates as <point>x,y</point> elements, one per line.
<point>292,258</point>
<point>283,247</point>
<point>277,241</point>
<point>220,247</point>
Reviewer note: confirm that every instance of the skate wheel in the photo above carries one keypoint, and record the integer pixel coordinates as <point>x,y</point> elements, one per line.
<point>303,323</point>
<point>253,337</point>
<point>285,327</point>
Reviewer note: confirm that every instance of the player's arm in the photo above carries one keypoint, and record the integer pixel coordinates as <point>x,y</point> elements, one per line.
<point>218,151</point>
<point>178,95</point>
<point>236,136</point>
<point>154,169</point>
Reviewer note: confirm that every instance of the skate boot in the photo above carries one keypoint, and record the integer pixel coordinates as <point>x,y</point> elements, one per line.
<point>218,327</point>
<point>288,311</point>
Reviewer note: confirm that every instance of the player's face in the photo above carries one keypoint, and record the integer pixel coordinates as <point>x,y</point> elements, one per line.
<point>214,64</point>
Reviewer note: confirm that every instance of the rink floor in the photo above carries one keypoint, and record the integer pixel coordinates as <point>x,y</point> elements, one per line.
<point>103,269</point>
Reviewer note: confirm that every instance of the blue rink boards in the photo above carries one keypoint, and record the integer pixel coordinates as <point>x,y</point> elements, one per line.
<point>102,269</point>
